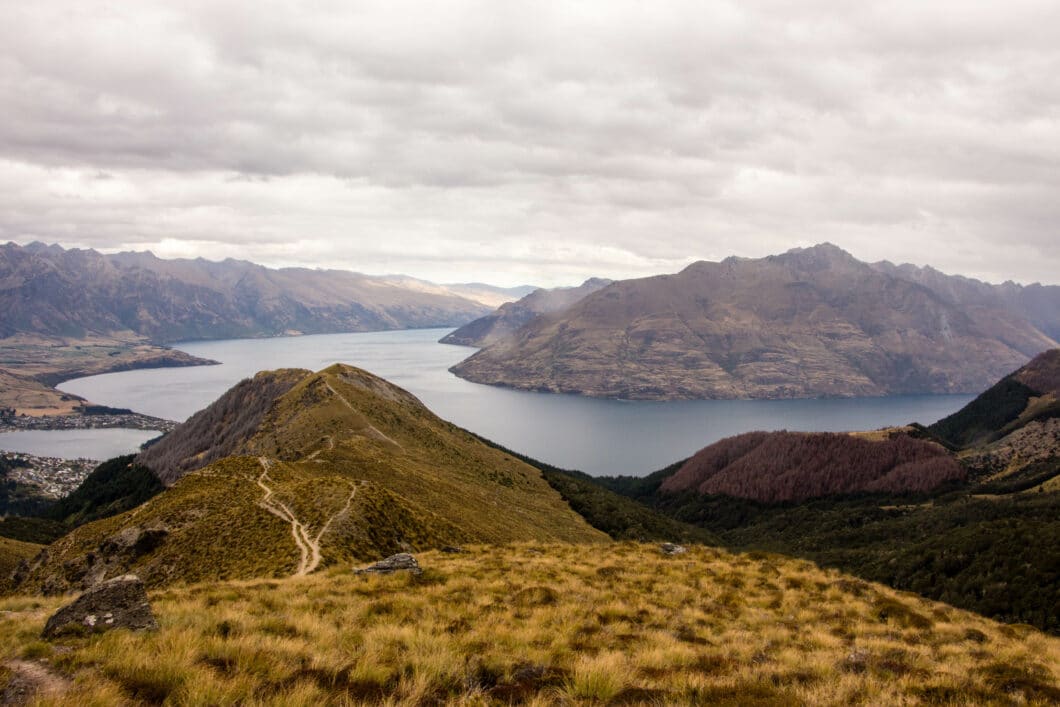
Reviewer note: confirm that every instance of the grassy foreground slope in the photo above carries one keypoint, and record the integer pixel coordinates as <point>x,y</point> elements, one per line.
<point>550,624</point>
<point>342,466</point>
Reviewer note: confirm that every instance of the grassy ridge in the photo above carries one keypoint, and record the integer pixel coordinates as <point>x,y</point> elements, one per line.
<point>31,530</point>
<point>547,624</point>
<point>363,469</point>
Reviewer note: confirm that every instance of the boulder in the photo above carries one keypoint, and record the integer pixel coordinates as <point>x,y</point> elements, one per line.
<point>672,549</point>
<point>117,603</point>
<point>402,561</point>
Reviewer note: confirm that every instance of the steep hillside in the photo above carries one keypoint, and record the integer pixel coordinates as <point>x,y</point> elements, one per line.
<point>811,322</point>
<point>1030,393</point>
<point>47,290</point>
<point>341,466</point>
<point>794,466</point>
<point>548,624</point>
<point>222,428</point>
<point>509,317</point>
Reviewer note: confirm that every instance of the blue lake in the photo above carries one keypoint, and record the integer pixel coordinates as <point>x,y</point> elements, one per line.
<point>75,444</point>
<point>596,436</point>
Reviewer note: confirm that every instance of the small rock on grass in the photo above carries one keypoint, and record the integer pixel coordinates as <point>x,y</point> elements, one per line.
<point>402,561</point>
<point>672,549</point>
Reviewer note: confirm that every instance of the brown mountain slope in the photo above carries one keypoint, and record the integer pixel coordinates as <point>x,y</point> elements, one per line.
<point>221,429</point>
<point>509,317</point>
<point>1042,374</point>
<point>341,466</point>
<point>811,322</point>
<point>793,466</point>
<point>47,290</point>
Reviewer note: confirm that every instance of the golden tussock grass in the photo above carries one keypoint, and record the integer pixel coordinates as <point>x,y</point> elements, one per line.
<point>549,624</point>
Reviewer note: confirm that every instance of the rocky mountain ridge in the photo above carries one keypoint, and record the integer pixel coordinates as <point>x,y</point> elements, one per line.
<point>812,322</point>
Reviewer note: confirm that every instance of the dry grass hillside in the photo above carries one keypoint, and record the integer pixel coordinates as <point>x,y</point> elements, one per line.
<point>546,624</point>
<point>343,466</point>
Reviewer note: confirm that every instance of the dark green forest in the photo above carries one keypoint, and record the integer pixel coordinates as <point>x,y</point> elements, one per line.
<point>113,487</point>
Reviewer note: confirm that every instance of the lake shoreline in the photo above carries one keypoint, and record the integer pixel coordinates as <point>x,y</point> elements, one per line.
<point>601,437</point>
<point>81,421</point>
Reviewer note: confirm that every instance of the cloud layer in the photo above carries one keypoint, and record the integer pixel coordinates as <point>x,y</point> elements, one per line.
<point>540,142</point>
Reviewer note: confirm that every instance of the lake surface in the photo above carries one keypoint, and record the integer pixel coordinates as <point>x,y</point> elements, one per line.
<point>596,436</point>
<point>75,444</point>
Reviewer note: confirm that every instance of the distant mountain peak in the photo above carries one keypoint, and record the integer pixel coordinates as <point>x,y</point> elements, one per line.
<point>822,254</point>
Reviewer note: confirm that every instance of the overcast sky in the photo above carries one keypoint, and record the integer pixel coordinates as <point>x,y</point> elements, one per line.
<point>535,142</point>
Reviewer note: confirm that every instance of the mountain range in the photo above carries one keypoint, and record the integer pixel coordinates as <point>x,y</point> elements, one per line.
<point>47,290</point>
<point>811,322</point>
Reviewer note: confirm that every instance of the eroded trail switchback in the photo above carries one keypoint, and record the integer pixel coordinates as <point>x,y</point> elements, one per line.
<point>308,546</point>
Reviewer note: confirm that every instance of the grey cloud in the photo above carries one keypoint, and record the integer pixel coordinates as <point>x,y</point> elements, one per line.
<point>650,135</point>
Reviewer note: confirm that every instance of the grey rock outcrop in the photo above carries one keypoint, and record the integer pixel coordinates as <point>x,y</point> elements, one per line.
<point>672,549</point>
<point>402,561</point>
<point>117,603</point>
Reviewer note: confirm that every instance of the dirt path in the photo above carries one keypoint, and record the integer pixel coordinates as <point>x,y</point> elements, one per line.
<point>281,511</point>
<point>30,681</point>
<point>308,547</point>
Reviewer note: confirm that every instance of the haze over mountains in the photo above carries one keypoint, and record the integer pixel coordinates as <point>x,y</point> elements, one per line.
<point>50,291</point>
<point>808,323</point>
<point>511,316</point>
